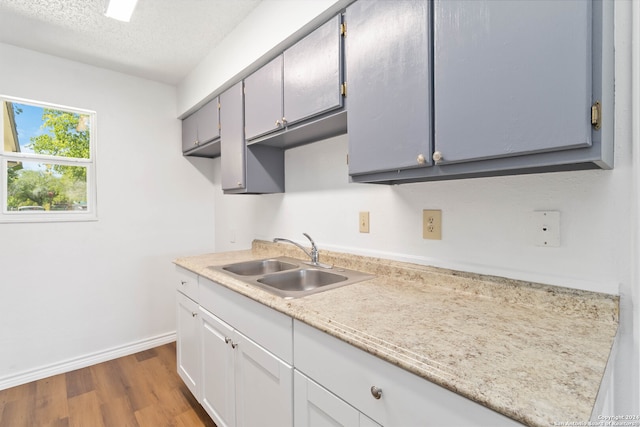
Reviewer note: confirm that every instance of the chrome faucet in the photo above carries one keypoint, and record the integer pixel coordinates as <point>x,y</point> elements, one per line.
<point>314,254</point>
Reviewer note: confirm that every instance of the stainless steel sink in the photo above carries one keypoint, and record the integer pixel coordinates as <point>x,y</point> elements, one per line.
<point>260,267</point>
<point>301,280</point>
<point>291,278</point>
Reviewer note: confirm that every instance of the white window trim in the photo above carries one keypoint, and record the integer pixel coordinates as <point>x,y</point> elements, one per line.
<point>91,214</point>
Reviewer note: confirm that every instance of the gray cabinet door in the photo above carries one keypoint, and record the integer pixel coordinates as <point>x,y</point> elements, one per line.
<point>189,132</point>
<point>232,142</point>
<point>511,77</point>
<point>263,99</point>
<point>313,73</point>
<point>208,122</point>
<point>388,85</point>
<point>201,127</point>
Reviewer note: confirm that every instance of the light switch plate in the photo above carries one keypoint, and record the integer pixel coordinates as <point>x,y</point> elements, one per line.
<point>546,228</point>
<point>432,224</point>
<point>364,222</point>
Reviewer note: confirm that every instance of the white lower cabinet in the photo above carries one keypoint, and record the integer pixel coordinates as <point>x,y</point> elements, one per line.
<point>235,355</point>
<point>264,387</point>
<point>188,343</point>
<point>243,384</point>
<point>218,370</point>
<point>315,406</point>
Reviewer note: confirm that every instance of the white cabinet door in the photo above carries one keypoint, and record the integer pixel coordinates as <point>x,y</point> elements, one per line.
<point>264,386</point>
<point>315,406</point>
<point>218,379</point>
<point>188,343</point>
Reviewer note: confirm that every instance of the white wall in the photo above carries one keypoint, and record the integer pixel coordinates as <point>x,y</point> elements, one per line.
<point>78,290</point>
<point>485,221</point>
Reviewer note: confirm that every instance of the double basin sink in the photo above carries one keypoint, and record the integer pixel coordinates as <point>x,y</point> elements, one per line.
<point>291,278</point>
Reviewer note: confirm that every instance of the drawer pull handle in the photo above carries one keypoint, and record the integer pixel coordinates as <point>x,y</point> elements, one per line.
<point>376,392</point>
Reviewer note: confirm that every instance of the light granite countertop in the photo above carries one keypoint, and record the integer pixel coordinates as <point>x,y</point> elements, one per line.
<point>535,353</point>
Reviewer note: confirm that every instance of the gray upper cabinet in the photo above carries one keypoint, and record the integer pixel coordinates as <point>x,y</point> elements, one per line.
<point>233,147</point>
<point>313,73</point>
<point>518,87</point>
<point>263,100</point>
<point>389,91</point>
<point>511,78</point>
<point>201,131</point>
<point>246,169</point>
<point>189,133</point>
<point>297,97</point>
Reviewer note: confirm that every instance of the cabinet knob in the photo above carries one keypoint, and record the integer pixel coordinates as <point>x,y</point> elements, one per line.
<point>284,121</point>
<point>376,392</point>
<point>239,184</point>
<point>183,282</point>
<point>195,142</point>
<point>227,340</point>
<point>194,314</point>
<point>234,344</point>
<point>437,157</point>
<point>278,123</point>
<point>421,160</point>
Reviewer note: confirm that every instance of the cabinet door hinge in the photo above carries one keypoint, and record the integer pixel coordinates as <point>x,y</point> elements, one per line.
<point>343,29</point>
<point>596,115</point>
<point>343,89</point>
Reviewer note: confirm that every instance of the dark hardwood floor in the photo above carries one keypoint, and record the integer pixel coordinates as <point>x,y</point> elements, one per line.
<point>140,390</point>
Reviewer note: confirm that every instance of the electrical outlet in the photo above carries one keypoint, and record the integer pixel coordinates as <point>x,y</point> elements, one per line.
<point>364,222</point>
<point>546,228</point>
<point>432,224</point>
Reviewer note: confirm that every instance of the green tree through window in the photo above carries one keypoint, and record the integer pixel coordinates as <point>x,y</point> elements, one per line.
<point>68,136</point>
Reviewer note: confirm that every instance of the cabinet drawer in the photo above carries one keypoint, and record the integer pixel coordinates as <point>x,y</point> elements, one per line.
<point>406,398</point>
<point>187,283</point>
<point>267,327</point>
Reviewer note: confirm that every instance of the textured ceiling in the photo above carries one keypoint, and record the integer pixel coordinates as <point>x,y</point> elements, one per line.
<point>164,40</point>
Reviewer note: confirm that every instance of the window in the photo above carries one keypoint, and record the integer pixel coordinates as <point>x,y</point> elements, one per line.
<point>47,162</point>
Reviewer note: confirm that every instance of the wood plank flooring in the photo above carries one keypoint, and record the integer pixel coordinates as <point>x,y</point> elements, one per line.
<point>140,390</point>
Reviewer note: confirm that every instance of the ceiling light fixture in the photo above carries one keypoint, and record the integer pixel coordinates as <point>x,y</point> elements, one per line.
<point>120,9</point>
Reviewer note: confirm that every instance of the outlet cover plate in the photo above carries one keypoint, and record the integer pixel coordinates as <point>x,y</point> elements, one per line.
<point>546,228</point>
<point>432,224</point>
<point>364,222</point>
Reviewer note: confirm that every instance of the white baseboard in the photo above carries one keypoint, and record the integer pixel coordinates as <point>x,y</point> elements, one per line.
<point>84,361</point>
